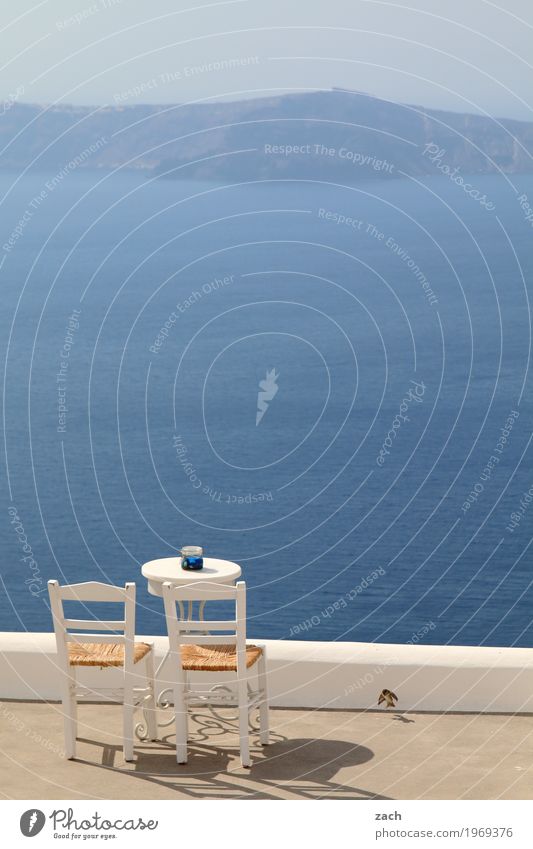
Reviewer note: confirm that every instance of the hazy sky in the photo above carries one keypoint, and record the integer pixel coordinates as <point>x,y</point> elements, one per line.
<point>465,55</point>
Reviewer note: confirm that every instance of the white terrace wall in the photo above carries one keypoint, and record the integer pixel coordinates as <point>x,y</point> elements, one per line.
<point>319,675</point>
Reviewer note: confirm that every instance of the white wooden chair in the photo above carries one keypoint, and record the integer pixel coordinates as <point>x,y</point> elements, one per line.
<point>117,649</point>
<point>195,648</point>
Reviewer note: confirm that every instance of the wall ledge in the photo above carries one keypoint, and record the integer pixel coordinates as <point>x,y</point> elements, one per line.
<point>330,675</point>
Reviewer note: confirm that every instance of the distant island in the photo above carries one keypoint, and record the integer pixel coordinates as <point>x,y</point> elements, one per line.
<point>338,135</point>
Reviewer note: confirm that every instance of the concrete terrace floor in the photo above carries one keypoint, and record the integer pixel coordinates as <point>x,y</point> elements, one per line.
<point>313,754</point>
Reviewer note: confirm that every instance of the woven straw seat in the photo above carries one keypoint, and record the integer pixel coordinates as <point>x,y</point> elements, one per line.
<point>103,654</point>
<point>216,658</point>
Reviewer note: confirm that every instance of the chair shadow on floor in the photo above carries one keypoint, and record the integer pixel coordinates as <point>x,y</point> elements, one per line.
<point>298,767</point>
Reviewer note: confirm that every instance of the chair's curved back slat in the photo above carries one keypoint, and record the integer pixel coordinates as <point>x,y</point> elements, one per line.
<point>96,625</point>
<point>92,591</point>
<point>203,591</point>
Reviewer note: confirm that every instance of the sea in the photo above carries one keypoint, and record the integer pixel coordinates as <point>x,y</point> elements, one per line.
<point>329,385</point>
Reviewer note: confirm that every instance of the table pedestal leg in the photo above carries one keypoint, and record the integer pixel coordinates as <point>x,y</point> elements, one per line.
<point>162,699</point>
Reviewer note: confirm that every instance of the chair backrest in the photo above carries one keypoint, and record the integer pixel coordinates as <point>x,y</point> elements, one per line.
<point>74,630</point>
<point>186,630</point>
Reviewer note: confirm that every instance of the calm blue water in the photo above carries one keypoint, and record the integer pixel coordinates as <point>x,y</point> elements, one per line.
<point>160,448</point>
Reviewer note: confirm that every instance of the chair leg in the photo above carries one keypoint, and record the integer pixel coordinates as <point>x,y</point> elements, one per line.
<point>180,706</point>
<point>186,680</point>
<point>70,711</point>
<point>244,740</point>
<point>127,718</point>
<point>149,709</point>
<point>263,705</point>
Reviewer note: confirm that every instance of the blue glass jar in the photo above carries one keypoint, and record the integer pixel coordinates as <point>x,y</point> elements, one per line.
<point>192,558</point>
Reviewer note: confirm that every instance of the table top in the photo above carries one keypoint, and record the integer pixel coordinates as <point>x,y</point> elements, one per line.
<point>169,569</point>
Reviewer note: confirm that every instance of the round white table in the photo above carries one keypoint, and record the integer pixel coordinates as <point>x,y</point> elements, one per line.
<point>157,572</point>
